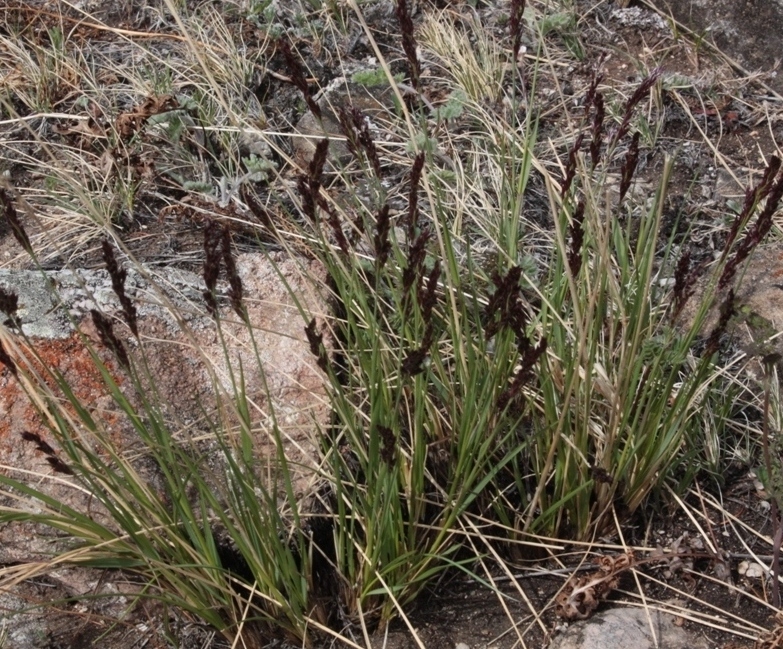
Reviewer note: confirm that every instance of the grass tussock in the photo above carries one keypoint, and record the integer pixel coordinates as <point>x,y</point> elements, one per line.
<point>503,362</point>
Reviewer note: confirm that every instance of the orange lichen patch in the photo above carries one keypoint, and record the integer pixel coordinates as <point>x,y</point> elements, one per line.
<point>70,358</point>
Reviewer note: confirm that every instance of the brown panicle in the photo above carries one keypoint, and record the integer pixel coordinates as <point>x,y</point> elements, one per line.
<point>17,229</point>
<point>408,41</point>
<point>310,185</point>
<point>642,90</point>
<point>515,26</point>
<point>577,232</point>
<point>297,75</point>
<point>412,219</point>
<point>412,275</point>
<point>9,304</point>
<point>597,131</point>
<point>502,302</point>
<point>316,341</point>
<point>414,361</point>
<point>109,338</point>
<point>529,357</point>
<point>629,166</point>
<point>570,170</point>
<point>755,235</point>
<point>118,276</point>
<point>234,281</point>
<point>753,195</point>
<point>726,312</point>
<point>381,238</point>
<point>353,125</point>
<point>258,210</point>
<point>212,242</point>
<point>337,229</point>
<point>684,284</point>
<point>388,444</point>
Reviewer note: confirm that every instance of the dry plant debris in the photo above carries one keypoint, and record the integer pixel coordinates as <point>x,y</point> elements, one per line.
<point>772,639</point>
<point>582,595</point>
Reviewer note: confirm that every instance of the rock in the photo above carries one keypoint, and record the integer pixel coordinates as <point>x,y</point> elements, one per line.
<point>641,19</point>
<point>340,93</point>
<point>748,32</point>
<point>185,359</point>
<point>628,628</point>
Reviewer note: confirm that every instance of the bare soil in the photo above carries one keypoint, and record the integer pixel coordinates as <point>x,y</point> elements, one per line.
<point>748,31</point>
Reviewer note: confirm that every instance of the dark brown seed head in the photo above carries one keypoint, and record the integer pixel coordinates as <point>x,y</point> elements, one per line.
<point>258,210</point>
<point>234,281</point>
<point>629,166</point>
<point>388,445</point>
<point>296,72</point>
<point>17,229</point>
<point>597,130</point>
<point>408,42</point>
<point>212,244</point>
<point>109,338</point>
<point>118,276</point>
<point>9,304</point>
<point>316,341</point>
<point>726,312</point>
<point>381,240</point>
<point>684,284</point>
<point>413,363</point>
<point>501,310</point>
<point>515,26</point>
<point>412,220</point>
<point>642,90</point>
<point>412,275</point>
<point>577,232</point>
<point>570,170</point>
